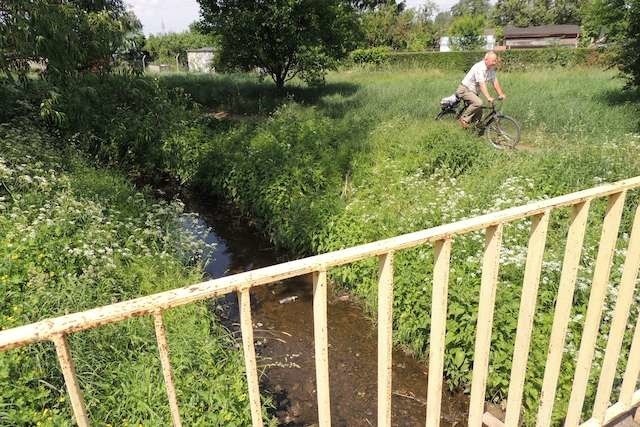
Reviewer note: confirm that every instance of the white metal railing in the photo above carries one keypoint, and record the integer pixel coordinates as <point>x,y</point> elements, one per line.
<point>58,329</point>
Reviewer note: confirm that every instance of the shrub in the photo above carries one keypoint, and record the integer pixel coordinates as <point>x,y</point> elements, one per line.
<point>511,60</point>
<point>374,55</point>
<point>73,238</point>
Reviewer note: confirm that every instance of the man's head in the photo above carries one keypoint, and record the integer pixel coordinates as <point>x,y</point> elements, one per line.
<point>491,59</point>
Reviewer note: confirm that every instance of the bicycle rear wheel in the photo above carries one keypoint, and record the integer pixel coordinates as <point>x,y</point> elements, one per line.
<point>503,132</point>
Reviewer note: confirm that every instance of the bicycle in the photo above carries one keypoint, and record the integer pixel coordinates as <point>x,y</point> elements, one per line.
<point>501,130</point>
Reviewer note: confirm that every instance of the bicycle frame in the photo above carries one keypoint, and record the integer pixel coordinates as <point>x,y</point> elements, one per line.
<point>485,120</point>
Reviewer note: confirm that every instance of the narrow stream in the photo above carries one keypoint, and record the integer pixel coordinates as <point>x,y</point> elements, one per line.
<point>283,332</point>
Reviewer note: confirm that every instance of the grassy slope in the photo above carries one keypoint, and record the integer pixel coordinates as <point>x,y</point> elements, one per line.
<point>72,238</point>
<point>363,159</point>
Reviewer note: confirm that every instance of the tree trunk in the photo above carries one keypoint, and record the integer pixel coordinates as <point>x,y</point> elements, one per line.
<point>279,80</point>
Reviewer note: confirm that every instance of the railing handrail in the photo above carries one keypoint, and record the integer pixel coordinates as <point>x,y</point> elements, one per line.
<point>75,322</point>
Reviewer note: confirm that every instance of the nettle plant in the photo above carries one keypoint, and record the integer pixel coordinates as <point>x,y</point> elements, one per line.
<point>72,238</point>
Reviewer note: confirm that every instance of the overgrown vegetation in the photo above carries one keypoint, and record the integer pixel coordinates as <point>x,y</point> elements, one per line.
<point>511,60</point>
<point>167,48</point>
<point>73,238</point>
<point>67,37</point>
<point>362,160</point>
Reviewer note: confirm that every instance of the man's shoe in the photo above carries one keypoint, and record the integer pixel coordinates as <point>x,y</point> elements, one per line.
<point>464,124</point>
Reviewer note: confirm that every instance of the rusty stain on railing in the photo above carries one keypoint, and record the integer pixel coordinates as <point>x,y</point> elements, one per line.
<point>58,329</point>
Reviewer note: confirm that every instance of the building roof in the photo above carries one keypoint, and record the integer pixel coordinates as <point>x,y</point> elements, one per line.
<point>542,31</point>
<point>202,49</point>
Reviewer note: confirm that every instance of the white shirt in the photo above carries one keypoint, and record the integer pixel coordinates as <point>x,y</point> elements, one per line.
<point>479,73</point>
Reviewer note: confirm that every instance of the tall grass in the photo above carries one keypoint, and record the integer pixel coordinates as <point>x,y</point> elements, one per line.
<point>363,159</point>
<point>345,167</point>
<point>73,238</point>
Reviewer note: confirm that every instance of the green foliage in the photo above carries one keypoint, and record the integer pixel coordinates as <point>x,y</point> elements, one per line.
<point>360,160</point>
<point>374,55</point>
<point>511,60</point>
<point>471,8</point>
<point>284,38</point>
<point>400,29</point>
<point>118,119</point>
<point>467,32</point>
<point>521,13</point>
<point>66,37</point>
<point>629,60</point>
<point>165,47</point>
<point>73,238</point>
<point>616,23</point>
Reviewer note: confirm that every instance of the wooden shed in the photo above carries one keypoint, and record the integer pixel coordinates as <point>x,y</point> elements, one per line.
<point>541,36</point>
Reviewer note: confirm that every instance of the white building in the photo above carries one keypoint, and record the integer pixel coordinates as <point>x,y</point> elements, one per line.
<point>446,42</point>
<point>200,60</point>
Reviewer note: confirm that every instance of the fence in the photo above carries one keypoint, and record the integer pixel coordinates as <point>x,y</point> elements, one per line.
<point>58,329</point>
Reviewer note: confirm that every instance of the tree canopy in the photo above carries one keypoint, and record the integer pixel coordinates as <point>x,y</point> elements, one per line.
<point>67,36</point>
<point>283,38</point>
<point>616,23</point>
<point>468,32</point>
<point>471,8</point>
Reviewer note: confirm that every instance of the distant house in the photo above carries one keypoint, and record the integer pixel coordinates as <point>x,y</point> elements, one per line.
<point>447,43</point>
<point>200,60</point>
<point>541,36</point>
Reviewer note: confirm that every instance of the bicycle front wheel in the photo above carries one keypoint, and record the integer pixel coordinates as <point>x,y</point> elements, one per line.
<point>503,132</point>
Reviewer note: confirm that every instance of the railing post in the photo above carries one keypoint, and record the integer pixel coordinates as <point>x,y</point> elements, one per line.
<point>535,254</point>
<point>490,268</point>
<point>70,379</point>
<point>321,341</point>
<point>619,322</point>
<point>570,263</point>
<point>632,372</point>
<point>385,343</point>
<point>246,325</point>
<point>442,257</point>
<point>601,272</point>
<point>167,373</point>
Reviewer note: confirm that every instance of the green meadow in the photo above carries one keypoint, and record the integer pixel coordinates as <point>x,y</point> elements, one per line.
<point>315,169</point>
<point>363,159</point>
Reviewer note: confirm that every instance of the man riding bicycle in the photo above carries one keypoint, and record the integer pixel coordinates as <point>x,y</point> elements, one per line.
<point>476,79</point>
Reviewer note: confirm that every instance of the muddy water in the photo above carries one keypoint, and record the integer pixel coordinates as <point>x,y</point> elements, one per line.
<point>283,328</point>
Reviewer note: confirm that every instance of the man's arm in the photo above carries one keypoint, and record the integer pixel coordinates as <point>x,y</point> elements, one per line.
<point>498,88</point>
<point>485,92</point>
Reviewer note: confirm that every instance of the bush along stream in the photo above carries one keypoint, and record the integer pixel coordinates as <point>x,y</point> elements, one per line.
<point>362,159</point>
<point>73,237</point>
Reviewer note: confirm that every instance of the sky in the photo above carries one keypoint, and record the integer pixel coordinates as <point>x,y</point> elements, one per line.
<point>165,16</point>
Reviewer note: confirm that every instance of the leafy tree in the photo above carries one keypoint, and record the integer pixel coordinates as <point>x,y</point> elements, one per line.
<point>523,13</point>
<point>471,8</point>
<point>165,47</point>
<point>629,59</point>
<point>604,18</point>
<point>68,36</point>
<point>386,26</point>
<point>409,29</point>
<point>567,12</point>
<point>468,32</point>
<point>284,38</point>
<point>364,5</point>
<point>443,20</point>
<point>512,12</point>
<point>617,22</point>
